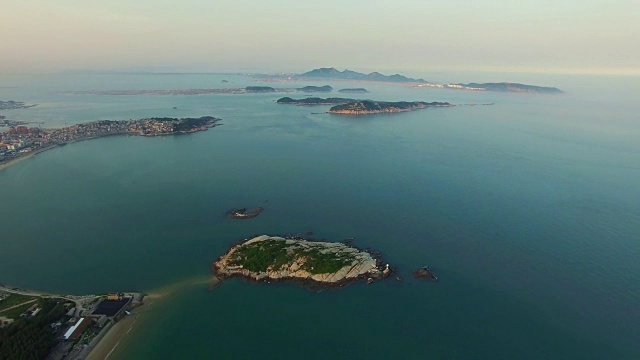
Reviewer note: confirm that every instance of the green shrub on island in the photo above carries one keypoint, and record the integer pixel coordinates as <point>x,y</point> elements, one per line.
<point>275,253</point>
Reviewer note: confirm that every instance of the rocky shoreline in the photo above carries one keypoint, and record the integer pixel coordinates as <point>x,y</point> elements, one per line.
<point>313,264</point>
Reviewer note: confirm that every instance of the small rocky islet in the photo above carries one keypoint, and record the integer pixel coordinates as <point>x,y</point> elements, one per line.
<point>272,258</point>
<point>425,273</point>
<point>244,213</point>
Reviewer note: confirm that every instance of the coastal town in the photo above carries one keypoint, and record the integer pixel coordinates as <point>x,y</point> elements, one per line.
<point>21,141</point>
<point>30,322</point>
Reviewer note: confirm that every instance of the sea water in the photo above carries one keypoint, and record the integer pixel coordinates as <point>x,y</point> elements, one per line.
<point>528,211</point>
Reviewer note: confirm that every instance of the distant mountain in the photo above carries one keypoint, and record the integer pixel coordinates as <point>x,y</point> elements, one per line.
<point>511,87</point>
<point>333,73</point>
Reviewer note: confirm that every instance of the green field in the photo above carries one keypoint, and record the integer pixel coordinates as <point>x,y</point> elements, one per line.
<point>13,300</point>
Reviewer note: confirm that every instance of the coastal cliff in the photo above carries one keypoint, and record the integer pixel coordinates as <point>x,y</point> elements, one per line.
<point>376,107</point>
<point>275,258</point>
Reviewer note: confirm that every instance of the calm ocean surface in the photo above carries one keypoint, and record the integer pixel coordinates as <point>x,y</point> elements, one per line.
<point>528,210</point>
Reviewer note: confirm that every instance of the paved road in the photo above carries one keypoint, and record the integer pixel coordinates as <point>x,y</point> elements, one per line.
<point>15,306</point>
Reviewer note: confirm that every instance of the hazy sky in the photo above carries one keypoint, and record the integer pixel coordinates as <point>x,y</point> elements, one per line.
<point>288,35</point>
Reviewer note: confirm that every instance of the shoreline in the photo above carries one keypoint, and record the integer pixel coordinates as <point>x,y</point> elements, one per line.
<point>113,334</point>
<point>6,164</point>
<point>112,339</point>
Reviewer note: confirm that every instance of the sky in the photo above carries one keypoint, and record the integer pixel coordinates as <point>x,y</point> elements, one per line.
<point>561,36</point>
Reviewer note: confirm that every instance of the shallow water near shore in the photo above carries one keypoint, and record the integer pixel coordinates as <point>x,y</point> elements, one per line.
<point>527,211</point>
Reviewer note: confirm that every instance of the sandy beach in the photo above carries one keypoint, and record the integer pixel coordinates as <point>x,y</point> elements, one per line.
<point>109,343</point>
<point>14,161</point>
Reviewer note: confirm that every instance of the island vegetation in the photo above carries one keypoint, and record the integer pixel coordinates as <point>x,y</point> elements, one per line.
<point>266,258</point>
<point>259,89</point>
<point>363,107</point>
<point>314,101</point>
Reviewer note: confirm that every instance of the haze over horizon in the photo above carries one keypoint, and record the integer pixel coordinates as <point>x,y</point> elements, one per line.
<point>249,35</point>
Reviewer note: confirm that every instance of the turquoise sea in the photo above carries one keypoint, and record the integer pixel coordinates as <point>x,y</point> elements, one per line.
<point>528,210</point>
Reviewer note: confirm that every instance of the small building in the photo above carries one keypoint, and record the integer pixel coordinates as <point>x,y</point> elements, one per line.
<point>114,297</point>
<point>76,330</point>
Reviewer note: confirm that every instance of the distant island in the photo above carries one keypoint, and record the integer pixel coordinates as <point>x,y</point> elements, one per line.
<point>254,89</point>
<point>354,90</point>
<point>333,73</point>
<point>267,258</point>
<point>14,105</point>
<point>325,88</point>
<point>509,87</point>
<point>22,141</point>
<point>363,107</point>
<point>314,101</point>
<point>245,90</point>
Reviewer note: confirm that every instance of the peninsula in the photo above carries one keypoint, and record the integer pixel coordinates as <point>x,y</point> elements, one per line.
<point>507,87</point>
<point>13,105</point>
<point>267,258</point>
<point>22,141</point>
<point>363,107</point>
<point>314,101</point>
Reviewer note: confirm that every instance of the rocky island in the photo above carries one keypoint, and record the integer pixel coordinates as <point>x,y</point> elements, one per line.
<point>376,107</point>
<point>267,258</point>
<point>325,88</point>
<point>425,273</point>
<point>314,101</point>
<point>244,213</point>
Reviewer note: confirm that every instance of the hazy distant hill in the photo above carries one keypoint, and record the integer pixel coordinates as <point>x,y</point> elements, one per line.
<point>333,73</point>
